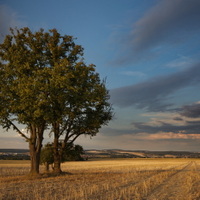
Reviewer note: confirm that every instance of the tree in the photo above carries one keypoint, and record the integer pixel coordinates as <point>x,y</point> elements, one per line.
<point>81,108</point>
<point>45,83</point>
<point>46,156</point>
<point>71,153</point>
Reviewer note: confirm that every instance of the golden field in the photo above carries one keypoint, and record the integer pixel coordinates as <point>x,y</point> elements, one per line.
<point>117,179</point>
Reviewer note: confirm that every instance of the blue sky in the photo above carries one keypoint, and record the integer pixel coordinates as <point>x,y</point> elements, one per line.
<point>149,51</point>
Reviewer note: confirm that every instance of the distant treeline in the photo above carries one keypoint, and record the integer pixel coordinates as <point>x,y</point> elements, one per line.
<point>14,154</point>
<point>14,157</point>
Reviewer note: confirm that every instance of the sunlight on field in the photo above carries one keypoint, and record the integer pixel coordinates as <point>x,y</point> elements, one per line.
<point>139,179</point>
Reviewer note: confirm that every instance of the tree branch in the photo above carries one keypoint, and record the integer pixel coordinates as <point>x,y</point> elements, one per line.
<point>77,135</point>
<point>67,124</point>
<point>75,138</point>
<point>15,128</point>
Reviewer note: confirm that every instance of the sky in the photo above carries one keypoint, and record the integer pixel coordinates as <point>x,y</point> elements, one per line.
<point>149,53</point>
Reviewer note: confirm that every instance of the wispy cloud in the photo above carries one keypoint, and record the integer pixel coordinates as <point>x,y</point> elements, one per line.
<point>167,23</point>
<point>133,73</point>
<point>181,62</point>
<point>152,93</point>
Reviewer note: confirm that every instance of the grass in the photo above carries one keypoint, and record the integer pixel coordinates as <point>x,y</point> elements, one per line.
<point>136,179</point>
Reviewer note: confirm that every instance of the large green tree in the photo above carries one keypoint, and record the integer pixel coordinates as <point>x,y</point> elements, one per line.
<point>45,83</point>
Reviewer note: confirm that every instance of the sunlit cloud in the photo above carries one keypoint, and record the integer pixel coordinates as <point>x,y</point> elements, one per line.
<point>167,136</point>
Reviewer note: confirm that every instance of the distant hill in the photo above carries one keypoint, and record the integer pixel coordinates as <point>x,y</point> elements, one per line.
<point>118,153</point>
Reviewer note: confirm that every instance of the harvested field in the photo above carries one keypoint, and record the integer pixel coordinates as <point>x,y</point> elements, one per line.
<point>134,179</point>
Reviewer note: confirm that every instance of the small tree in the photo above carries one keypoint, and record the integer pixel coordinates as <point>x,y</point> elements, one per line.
<point>47,156</point>
<point>71,153</point>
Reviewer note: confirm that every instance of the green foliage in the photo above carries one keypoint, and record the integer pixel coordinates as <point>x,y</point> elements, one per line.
<point>32,66</point>
<point>46,155</point>
<point>71,153</point>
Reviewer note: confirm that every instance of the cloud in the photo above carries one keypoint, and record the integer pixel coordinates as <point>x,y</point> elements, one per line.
<point>192,111</point>
<point>134,73</point>
<point>143,131</point>
<point>152,94</point>
<point>8,18</point>
<point>189,128</point>
<point>171,136</point>
<point>167,23</point>
<point>163,131</point>
<point>184,122</point>
<point>177,119</point>
<point>181,62</point>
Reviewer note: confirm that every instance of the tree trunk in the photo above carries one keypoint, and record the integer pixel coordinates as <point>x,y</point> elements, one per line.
<point>57,165</point>
<point>35,159</point>
<point>56,149</point>
<point>46,167</point>
<point>35,145</point>
<point>57,159</point>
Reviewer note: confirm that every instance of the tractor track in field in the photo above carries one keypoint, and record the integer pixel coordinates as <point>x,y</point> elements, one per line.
<point>176,186</point>
<point>106,194</point>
